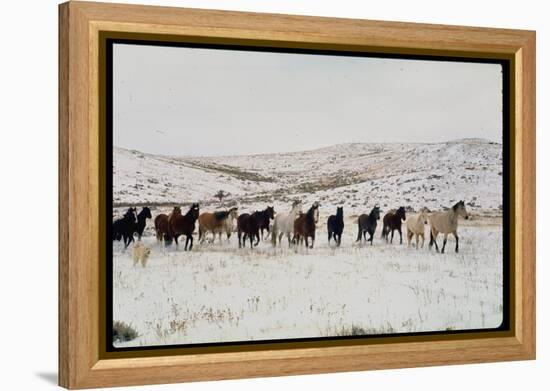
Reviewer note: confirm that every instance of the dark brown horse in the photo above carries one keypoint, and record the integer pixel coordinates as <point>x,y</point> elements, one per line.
<point>392,221</point>
<point>367,224</point>
<point>266,216</point>
<point>248,226</point>
<point>184,225</point>
<point>335,226</point>
<point>162,229</point>
<point>304,226</point>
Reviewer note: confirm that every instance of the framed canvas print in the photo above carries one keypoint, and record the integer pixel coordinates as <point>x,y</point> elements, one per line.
<point>251,195</point>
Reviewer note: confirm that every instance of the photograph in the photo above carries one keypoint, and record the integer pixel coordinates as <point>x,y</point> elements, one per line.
<point>268,194</point>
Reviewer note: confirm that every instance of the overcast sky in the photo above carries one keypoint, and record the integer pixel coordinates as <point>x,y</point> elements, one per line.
<point>186,101</point>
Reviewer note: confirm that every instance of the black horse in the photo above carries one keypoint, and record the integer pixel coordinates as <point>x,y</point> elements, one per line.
<point>335,226</point>
<point>367,223</point>
<point>266,216</point>
<point>141,221</point>
<point>248,226</point>
<point>392,221</point>
<point>125,227</point>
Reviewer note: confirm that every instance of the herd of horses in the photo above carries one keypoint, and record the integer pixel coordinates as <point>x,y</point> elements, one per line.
<point>299,227</point>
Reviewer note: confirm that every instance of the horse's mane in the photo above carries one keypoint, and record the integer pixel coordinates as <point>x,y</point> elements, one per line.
<point>310,211</point>
<point>192,208</point>
<point>144,211</point>
<point>221,214</point>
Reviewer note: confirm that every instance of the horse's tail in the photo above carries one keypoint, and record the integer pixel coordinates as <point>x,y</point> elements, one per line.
<point>200,232</point>
<point>358,231</point>
<point>274,233</point>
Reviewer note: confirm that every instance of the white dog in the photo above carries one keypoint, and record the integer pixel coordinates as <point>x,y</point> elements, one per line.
<point>140,253</point>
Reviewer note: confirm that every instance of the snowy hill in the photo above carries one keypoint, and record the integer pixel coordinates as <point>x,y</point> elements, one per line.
<point>357,175</point>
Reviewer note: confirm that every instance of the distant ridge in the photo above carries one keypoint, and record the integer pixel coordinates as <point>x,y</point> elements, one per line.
<point>355,175</point>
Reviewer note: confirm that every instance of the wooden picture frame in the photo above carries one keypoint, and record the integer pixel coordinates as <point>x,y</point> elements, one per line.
<point>82,361</point>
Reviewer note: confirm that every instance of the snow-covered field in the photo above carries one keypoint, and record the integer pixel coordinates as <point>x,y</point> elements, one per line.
<point>220,293</point>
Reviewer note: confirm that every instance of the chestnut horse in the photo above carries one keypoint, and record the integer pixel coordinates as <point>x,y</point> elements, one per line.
<point>392,221</point>
<point>217,222</point>
<point>304,226</point>
<point>184,225</point>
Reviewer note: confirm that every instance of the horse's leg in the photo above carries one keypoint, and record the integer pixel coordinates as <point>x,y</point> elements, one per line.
<point>422,234</point>
<point>371,237</point>
<point>433,236</point>
<point>417,237</point>
<point>239,234</point>
<point>190,238</point>
<point>444,243</point>
<point>307,241</point>
<point>312,239</point>
<point>400,236</point>
<point>257,234</point>
<point>251,236</point>
<point>392,231</point>
<point>456,239</point>
<point>330,236</point>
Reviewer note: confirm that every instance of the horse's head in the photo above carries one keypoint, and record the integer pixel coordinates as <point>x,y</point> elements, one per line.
<point>375,212</point>
<point>424,215</point>
<point>270,212</point>
<point>131,214</point>
<point>460,209</point>
<point>176,211</point>
<point>315,209</point>
<point>340,211</point>
<point>296,207</point>
<point>194,211</point>
<point>234,212</point>
<point>401,213</point>
<point>146,212</point>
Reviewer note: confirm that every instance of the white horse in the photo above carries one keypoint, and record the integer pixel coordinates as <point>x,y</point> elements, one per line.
<point>415,227</point>
<point>284,224</point>
<point>446,223</point>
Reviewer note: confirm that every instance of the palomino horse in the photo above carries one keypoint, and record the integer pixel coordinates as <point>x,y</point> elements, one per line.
<point>415,227</point>
<point>446,222</point>
<point>184,225</point>
<point>367,224</point>
<point>248,225</point>
<point>304,226</point>
<point>392,221</point>
<point>217,223</point>
<point>284,223</point>
<point>335,226</point>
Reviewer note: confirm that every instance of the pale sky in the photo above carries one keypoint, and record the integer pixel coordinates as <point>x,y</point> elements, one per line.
<point>189,101</point>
